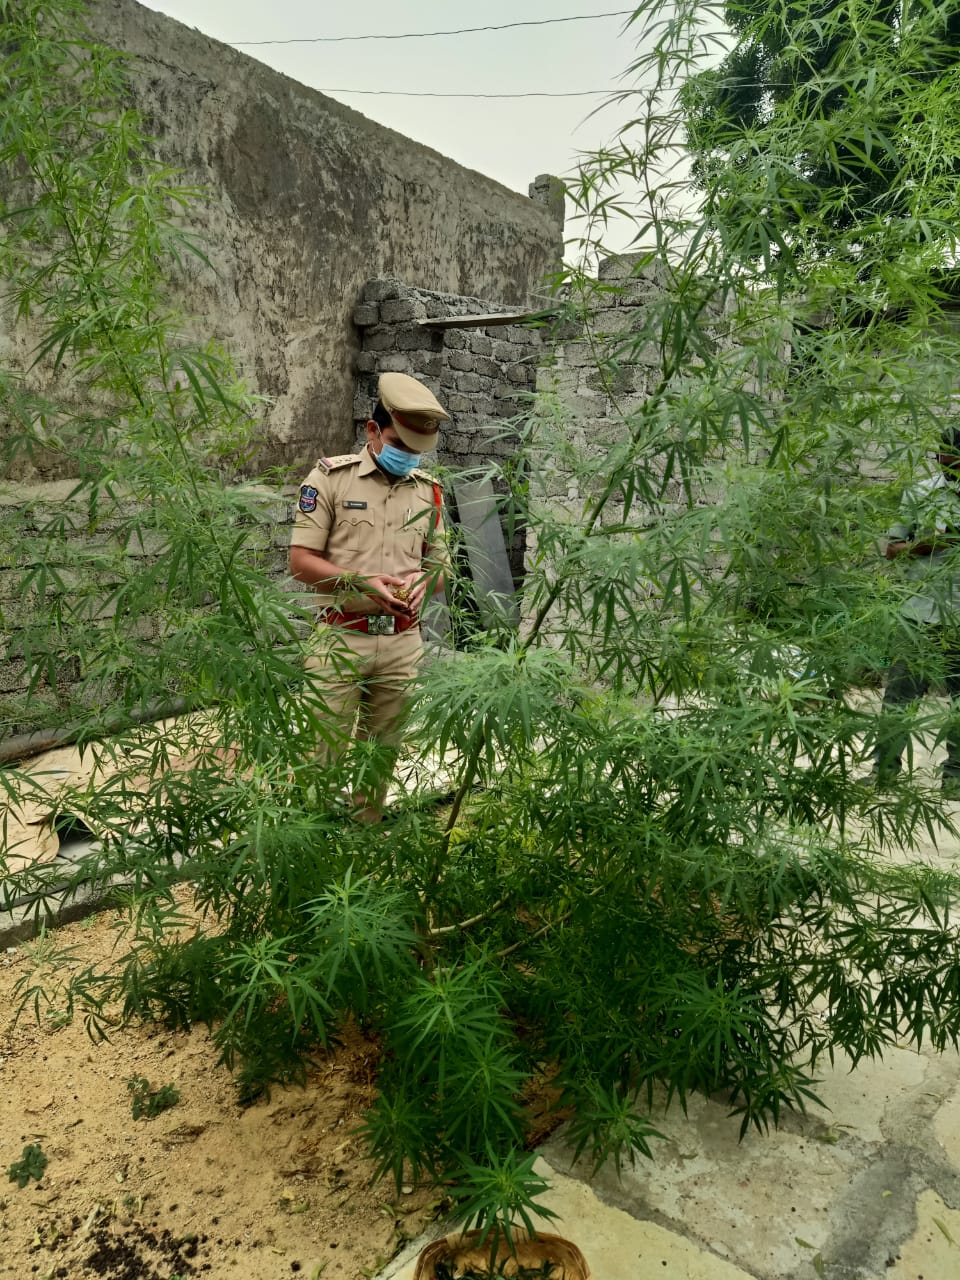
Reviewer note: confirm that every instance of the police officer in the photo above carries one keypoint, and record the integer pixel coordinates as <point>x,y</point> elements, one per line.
<point>368,537</point>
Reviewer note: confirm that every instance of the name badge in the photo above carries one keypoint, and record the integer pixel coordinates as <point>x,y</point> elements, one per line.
<point>355,506</point>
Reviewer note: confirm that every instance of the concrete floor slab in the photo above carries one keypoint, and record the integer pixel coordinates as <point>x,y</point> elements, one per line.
<point>843,1193</point>
<point>616,1245</point>
<point>946,1127</point>
<point>933,1251</point>
<point>857,1098</point>
<point>763,1201</point>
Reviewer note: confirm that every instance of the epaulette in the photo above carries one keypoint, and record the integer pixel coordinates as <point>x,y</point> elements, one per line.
<point>341,460</point>
<point>424,475</point>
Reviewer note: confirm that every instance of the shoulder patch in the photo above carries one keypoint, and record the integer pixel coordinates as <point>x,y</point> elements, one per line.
<point>341,460</point>
<point>308,499</point>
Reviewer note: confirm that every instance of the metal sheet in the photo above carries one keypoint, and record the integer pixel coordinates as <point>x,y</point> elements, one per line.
<point>486,552</point>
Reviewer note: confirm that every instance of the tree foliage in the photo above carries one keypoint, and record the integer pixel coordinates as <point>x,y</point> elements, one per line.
<point>658,873</point>
<point>842,103</point>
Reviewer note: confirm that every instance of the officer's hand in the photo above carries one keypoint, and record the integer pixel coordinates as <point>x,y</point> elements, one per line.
<point>414,591</point>
<point>381,586</point>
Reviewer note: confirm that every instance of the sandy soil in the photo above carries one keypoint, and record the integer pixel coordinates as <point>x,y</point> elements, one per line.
<point>205,1188</point>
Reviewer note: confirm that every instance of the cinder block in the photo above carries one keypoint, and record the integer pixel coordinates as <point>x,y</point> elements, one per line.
<point>527,338</point>
<point>10,580</point>
<point>146,627</point>
<point>503,447</point>
<point>577,354</point>
<point>617,380</point>
<point>395,312</point>
<point>380,339</point>
<point>394,362</point>
<point>457,403</point>
<point>429,364</point>
<point>468,382</point>
<point>412,339</point>
<point>481,344</point>
<point>619,266</point>
<point>365,362</point>
<point>617,320</point>
<point>381,290</point>
<point>462,361</point>
<point>14,677</point>
<point>506,408</point>
<point>454,340</point>
<point>629,351</point>
<point>366,315</point>
<point>634,293</point>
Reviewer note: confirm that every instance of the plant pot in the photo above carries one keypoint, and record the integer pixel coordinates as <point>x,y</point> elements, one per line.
<point>463,1251</point>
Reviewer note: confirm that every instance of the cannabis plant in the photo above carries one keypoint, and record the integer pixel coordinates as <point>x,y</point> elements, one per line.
<point>149,589</point>
<point>657,871</point>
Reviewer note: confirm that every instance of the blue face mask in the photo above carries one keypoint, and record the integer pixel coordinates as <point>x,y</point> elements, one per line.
<point>396,462</point>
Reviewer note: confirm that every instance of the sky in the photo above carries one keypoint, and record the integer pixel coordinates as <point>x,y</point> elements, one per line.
<point>511,140</point>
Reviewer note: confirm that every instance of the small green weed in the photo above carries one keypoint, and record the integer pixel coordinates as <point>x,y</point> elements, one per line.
<point>30,1165</point>
<point>148,1103</point>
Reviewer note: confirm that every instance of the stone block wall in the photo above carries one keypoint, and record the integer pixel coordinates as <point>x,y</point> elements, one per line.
<point>482,375</point>
<point>82,570</point>
<point>593,398</point>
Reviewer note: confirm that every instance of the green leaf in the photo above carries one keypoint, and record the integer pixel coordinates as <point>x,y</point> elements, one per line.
<point>32,1164</point>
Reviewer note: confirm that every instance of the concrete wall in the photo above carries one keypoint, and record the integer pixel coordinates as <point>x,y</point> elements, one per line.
<point>592,377</point>
<point>594,402</point>
<point>308,200</point>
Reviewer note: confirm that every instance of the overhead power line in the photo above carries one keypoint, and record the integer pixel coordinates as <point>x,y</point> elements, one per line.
<point>414,93</point>
<point>617,92</point>
<point>614,92</point>
<point>428,35</point>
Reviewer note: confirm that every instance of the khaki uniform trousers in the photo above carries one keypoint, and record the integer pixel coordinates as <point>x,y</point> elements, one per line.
<point>365,683</point>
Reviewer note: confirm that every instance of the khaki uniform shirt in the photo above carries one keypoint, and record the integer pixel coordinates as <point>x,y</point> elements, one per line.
<point>356,517</point>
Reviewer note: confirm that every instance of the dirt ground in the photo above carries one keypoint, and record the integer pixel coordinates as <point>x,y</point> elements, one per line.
<point>205,1188</point>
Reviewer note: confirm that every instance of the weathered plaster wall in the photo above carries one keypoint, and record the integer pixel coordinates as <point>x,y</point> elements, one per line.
<point>308,200</point>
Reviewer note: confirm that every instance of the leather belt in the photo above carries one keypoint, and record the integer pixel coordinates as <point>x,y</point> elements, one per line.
<point>372,624</point>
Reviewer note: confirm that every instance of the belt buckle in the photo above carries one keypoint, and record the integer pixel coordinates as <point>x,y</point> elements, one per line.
<point>381,624</point>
